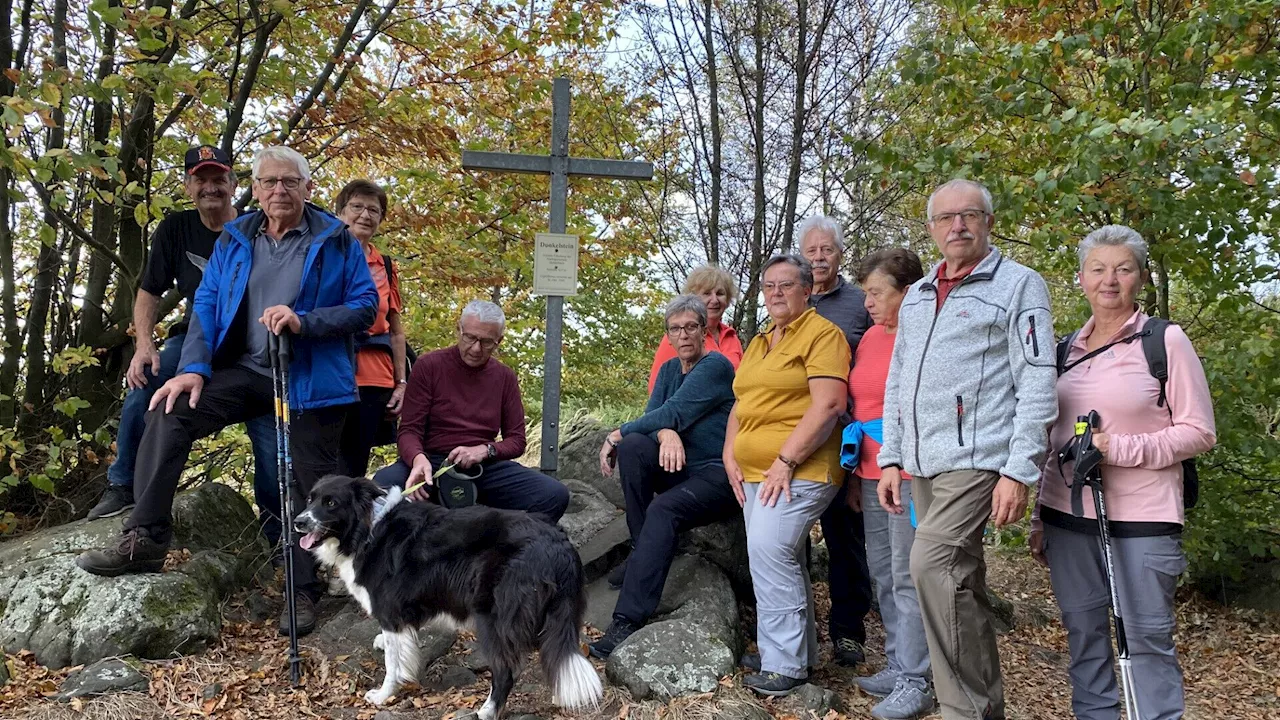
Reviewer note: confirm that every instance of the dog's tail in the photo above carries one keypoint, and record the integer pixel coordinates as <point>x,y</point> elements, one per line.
<point>573,679</point>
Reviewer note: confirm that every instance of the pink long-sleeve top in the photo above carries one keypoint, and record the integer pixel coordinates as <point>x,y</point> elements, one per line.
<point>1142,471</point>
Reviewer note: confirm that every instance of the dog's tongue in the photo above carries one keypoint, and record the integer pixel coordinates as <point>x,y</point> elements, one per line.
<point>309,540</point>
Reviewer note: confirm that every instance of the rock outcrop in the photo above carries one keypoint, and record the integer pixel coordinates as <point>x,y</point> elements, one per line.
<point>66,616</point>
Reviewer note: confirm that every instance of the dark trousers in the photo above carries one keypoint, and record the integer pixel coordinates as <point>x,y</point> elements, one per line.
<point>229,396</point>
<point>684,500</point>
<point>360,431</point>
<point>849,578</point>
<point>505,484</point>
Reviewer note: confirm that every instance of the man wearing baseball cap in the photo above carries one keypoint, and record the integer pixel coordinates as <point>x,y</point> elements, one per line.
<point>180,247</point>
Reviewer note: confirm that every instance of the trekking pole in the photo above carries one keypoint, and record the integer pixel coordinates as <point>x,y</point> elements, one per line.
<point>1088,473</point>
<point>1094,480</point>
<point>279,350</point>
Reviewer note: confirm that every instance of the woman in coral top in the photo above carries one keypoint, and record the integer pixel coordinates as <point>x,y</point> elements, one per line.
<point>885,276</point>
<point>716,288</point>
<point>380,351</point>
<point>1143,442</point>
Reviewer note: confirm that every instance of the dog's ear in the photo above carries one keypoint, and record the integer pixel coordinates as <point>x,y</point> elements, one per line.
<point>366,491</point>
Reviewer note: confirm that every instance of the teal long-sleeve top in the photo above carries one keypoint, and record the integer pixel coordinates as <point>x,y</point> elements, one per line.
<point>695,405</point>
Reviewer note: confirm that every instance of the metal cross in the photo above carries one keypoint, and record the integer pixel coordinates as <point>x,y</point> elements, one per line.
<point>559,166</point>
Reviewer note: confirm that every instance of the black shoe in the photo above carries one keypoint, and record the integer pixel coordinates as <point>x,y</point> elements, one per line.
<point>135,553</point>
<point>849,652</point>
<point>115,500</point>
<point>617,575</point>
<point>751,661</point>
<point>620,629</point>
<point>771,684</point>
<point>305,611</point>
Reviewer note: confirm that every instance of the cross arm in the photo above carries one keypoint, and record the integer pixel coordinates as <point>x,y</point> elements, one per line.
<point>619,169</point>
<point>506,162</point>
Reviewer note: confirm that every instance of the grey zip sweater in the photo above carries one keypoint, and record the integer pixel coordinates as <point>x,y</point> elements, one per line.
<point>971,386</point>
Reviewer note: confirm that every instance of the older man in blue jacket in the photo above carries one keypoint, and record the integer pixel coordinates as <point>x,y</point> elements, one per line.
<point>288,268</point>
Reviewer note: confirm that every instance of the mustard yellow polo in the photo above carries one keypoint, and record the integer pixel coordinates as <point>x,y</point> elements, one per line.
<point>772,389</point>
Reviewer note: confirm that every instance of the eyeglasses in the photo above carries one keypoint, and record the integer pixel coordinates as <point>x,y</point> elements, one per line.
<point>357,210</point>
<point>691,329</point>
<point>786,286</point>
<point>485,343</point>
<point>969,216</point>
<point>290,183</point>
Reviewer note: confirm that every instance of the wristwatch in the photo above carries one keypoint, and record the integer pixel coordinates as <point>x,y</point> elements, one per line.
<point>493,451</point>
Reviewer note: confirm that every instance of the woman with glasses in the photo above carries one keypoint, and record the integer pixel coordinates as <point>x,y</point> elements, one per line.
<point>380,351</point>
<point>782,456</point>
<point>716,288</point>
<point>672,452</point>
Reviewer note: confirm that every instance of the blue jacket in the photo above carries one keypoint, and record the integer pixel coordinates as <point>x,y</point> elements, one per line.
<point>337,299</point>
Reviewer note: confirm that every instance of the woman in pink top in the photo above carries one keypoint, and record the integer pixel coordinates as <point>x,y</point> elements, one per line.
<point>885,276</point>
<point>716,288</point>
<point>1143,443</point>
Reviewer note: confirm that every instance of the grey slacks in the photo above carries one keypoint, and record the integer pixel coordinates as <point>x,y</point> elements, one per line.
<point>1147,571</point>
<point>786,630</point>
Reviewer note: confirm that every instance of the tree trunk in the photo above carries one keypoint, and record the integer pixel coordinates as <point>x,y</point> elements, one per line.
<point>48,260</point>
<point>717,137</point>
<point>797,125</point>
<point>750,322</point>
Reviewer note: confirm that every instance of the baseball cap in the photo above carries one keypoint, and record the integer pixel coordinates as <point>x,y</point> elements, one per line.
<point>206,156</point>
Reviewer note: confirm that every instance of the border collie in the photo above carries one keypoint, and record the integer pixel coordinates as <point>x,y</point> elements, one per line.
<point>515,579</point>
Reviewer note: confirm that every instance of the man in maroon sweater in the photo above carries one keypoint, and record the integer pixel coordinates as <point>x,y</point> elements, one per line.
<point>457,401</point>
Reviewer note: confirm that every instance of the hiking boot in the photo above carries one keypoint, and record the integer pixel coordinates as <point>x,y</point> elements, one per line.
<point>880,685</point>
<point>135,553</point>
<point>849,652</point>
<point>620,629</point>
<point>305,610</point>
<point>115,500</point>
<point>772,684</point>
<point>907,702</point>
<point>617,575</point>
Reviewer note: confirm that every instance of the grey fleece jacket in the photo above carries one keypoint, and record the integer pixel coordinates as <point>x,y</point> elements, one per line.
<point>972,385</point>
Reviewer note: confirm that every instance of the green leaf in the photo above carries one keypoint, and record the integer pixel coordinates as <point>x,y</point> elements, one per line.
<point>41,482</point>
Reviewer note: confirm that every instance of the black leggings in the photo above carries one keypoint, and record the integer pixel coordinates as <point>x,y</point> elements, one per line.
<point>360,432</point>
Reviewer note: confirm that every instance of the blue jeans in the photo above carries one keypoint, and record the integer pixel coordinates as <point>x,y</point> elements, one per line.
<point>261,431</point>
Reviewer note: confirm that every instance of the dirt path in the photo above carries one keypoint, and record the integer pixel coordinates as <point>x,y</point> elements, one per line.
<point>1231,659</point>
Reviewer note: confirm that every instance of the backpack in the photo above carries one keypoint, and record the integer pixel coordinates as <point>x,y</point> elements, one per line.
<point>1152,336</point>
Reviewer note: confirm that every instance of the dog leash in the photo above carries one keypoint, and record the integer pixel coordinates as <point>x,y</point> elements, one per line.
<point>434,476</point>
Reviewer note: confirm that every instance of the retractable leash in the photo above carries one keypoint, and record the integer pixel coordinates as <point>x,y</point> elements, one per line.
<point>279,348</point>
<point>1088,472</point>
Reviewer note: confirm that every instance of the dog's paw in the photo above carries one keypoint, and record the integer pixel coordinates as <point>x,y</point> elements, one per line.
<point>376,697</point>
<point>380,642</point>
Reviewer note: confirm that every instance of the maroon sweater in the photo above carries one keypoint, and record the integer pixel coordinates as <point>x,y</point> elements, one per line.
<point>447,403</point>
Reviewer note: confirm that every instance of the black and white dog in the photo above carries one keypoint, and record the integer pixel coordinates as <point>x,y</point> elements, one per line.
<point>513,578</point>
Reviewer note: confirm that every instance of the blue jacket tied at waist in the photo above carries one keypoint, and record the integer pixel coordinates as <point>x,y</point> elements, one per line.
<point>851,445</point>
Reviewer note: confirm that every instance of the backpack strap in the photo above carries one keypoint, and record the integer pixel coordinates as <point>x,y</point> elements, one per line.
<point>1063,350</point>
<point>390,267</point>
<point>1157,357</point>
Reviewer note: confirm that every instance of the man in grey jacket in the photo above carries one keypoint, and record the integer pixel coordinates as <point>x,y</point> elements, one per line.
<point>968,403</point>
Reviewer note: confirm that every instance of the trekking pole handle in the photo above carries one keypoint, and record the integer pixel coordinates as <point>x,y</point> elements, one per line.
<point>280,347</point>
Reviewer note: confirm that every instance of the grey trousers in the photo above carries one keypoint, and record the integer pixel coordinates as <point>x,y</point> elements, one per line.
<point>1147,571</point>
<point>889,540</point>
<point>786,629</point>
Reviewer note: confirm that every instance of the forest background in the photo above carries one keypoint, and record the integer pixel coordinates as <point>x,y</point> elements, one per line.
<point>1161,115</point>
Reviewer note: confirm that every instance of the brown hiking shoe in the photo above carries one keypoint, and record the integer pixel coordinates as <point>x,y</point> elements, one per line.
<point>305,608</point>
<point>135,553</point>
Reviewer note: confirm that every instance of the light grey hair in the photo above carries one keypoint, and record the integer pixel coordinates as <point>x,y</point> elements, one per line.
<point>962,183</point>
<point>687,303</point>
<point>1114,236</point>
<point>821,223</point>
<point>283,154</point>
<point>485,312</point>
<point>806,270</point>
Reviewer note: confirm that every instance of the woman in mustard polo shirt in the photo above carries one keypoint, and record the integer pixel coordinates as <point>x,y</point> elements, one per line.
<point>782,456</point>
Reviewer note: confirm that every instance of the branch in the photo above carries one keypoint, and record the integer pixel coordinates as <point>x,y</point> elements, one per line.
<point>70,224</point>
<point>323,78</point>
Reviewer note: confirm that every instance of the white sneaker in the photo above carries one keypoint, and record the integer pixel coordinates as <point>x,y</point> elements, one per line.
<point>907,702</point>
<point>880,685</point>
